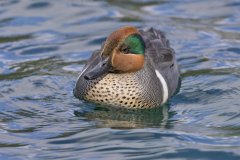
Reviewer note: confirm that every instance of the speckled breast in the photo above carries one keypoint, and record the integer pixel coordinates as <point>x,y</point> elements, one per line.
<point>119,90</point>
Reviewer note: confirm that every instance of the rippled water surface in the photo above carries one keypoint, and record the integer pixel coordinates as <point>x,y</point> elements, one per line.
<point>44,45</point>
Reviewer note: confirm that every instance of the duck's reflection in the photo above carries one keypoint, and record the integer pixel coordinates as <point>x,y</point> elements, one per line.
<point>116,118</point>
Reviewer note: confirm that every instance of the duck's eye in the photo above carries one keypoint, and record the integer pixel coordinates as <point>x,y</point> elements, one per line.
<point>125,49</point>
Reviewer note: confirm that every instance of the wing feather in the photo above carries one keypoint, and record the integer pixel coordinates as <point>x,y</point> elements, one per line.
<point>158,48</point>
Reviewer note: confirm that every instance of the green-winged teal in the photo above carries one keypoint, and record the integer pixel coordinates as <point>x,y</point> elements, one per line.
<point>133,69</point>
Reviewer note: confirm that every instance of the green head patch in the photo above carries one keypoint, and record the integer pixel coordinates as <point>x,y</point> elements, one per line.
<point>135,44</point>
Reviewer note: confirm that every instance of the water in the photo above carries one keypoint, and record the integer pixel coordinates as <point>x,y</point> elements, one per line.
<point>44,45</point>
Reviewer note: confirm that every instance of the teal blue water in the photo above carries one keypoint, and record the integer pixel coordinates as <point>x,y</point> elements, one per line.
<point>44,45</point>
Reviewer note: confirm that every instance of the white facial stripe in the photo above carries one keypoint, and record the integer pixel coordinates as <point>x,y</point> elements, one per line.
<point>82,72</point>
<point>164,85</point>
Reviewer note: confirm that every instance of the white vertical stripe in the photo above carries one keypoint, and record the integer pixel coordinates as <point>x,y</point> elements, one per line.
<point>164,85</point>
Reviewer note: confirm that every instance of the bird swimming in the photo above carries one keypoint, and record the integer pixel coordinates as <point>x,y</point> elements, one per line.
<point>134,69</point>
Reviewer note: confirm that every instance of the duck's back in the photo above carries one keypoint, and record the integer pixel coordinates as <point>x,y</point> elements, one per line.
<point>162,58</point>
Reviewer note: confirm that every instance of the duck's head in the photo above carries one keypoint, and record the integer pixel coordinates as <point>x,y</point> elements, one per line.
<point>122,52</point>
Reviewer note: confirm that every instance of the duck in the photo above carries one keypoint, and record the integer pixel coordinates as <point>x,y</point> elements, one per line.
<point>133,69</point>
